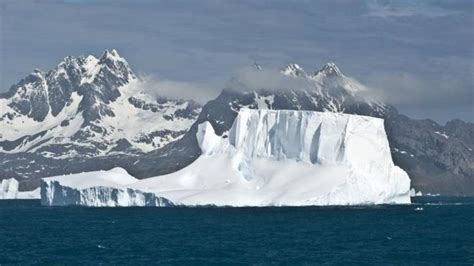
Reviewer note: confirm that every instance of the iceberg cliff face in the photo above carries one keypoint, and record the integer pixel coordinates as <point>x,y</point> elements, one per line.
<point>97,189</point>
<point>268,158</point>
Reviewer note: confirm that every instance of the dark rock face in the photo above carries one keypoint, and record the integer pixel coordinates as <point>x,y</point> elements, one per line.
<point>62,82</point>
<point>33,96</point>
<point>7,145</point>
<point>439,159</point>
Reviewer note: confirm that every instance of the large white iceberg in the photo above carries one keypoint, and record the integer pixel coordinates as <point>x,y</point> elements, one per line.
<point>9,190</point>
<point>268,158</point>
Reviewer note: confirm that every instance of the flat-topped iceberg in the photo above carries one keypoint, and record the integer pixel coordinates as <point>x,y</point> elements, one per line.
<point>268,158</point>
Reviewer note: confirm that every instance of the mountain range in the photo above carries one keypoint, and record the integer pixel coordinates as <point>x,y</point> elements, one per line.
<point>92,113</point>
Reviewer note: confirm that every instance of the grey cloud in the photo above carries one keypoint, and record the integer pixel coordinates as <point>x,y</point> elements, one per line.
<point>387,9</point>
<point>200,92</point>
<point>248,78</point>
<point>244,78</point>
<point>405,89</point>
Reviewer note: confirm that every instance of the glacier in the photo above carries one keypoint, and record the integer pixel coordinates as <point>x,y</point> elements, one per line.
<point>267,158</point>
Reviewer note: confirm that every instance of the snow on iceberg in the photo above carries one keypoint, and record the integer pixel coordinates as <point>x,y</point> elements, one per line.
<point>270,158</point>
<point>9,190</point>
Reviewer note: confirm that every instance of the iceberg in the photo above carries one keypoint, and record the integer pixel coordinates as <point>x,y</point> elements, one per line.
<point>97,189</point>
<point>9,190</point>
<point>268,158</point>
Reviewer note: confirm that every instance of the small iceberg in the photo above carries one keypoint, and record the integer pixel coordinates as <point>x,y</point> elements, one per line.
<point>9,190</point>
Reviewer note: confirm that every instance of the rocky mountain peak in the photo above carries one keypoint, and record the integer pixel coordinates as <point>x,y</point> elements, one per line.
<point>98,80</point>
<point>111,61</point>
<point>330,69</point>
<point>37,71</point>
<point>111,56</point>
<point>257,66</point>
<point>294,70</point>
<point>35,76</point>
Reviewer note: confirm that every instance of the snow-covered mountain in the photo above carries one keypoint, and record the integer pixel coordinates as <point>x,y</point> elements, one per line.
<point>87,107</point>
<point>269,158</point>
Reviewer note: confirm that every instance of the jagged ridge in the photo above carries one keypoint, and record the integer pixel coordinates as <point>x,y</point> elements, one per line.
<point>89,106</point>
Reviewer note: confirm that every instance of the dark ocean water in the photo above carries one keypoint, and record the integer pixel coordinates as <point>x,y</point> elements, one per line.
<point>441,232</point>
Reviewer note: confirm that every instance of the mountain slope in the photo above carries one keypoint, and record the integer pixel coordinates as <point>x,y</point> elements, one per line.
<point>439,159</point>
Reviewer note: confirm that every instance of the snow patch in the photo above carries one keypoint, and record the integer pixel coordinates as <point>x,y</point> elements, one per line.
<point>264,102</point>
<point>92,68</point>
<point>442,134</point>
<point>26,126</point>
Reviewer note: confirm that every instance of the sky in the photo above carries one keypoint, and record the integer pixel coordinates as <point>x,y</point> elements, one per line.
<point>417,55</point>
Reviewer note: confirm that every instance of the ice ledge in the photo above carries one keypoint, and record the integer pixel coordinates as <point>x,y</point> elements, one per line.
<point>55,194</point>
